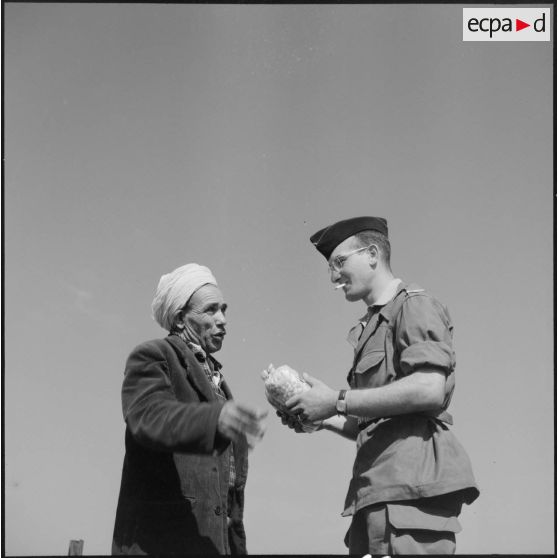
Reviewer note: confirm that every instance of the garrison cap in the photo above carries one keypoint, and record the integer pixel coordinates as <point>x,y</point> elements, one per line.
<point>327,239</point>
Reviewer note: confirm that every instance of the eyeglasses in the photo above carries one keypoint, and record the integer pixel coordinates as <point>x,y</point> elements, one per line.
<point>339,261</point>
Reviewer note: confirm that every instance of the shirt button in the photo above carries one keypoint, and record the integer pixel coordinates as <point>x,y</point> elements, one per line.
<point>217,510</point>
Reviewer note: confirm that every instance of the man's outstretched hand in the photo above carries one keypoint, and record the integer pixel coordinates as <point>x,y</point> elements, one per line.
<point>239,419</point>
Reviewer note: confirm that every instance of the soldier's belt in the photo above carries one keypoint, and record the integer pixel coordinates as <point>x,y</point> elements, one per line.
<point>442,416</point>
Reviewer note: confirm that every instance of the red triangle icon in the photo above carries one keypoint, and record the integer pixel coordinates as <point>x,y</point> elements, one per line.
<point>519,25</point>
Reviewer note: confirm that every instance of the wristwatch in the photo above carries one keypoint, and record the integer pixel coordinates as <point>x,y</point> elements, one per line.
<point>341,404</point>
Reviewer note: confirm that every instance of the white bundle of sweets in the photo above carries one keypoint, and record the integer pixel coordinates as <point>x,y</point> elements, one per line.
<point>281,384</point>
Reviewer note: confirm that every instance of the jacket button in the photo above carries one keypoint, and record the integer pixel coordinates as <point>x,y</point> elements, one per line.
<point>217,510</point>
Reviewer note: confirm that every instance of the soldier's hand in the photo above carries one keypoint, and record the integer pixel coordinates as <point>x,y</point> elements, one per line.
<point>238,420</point>
<point>314,404</point>
<point>297,424</point>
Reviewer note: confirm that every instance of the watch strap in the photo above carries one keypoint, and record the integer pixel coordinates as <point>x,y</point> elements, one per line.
<point>341,404</point>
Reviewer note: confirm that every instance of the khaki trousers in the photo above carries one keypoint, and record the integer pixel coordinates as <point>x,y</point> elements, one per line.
<point>426,526</point>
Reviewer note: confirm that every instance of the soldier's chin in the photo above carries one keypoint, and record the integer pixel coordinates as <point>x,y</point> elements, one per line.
<point>351,296</point>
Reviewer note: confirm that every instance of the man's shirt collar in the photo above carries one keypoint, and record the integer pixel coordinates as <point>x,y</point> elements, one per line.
<point>200,354</point>
<point>197,350</point>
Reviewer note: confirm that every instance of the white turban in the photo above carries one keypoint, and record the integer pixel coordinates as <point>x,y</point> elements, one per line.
<point>175,289</point>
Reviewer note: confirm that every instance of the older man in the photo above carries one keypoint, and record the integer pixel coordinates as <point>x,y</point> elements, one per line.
<point>411,475</point>
<point>185,467</point>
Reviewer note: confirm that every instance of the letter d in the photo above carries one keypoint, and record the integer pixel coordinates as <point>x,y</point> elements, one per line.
<point>537,21</point>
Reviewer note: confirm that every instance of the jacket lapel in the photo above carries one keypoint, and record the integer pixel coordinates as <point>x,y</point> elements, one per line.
<point>194,370</point>
<point>226,389</point>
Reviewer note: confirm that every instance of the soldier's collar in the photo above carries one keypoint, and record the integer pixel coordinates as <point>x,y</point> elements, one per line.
<point>388,293</point>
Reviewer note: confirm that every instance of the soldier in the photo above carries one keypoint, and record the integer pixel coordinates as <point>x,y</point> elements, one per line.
<point>411,475</point>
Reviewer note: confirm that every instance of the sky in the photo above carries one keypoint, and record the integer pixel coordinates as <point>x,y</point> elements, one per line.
<point>141,137</point>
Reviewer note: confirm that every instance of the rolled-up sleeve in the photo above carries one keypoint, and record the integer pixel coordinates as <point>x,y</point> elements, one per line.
<point>424,336</point>
<point>155,417</point>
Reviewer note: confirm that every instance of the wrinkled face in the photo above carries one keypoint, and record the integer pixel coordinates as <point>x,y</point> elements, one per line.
<point>204,320</point>
<point>356,272</point>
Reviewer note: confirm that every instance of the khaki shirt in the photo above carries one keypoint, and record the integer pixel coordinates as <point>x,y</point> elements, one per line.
<point>406,457</point>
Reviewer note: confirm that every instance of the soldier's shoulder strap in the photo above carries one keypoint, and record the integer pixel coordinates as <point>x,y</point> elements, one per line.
<point>404,293</point>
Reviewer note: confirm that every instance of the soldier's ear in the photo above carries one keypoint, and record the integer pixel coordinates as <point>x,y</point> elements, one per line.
<point>374,254</point>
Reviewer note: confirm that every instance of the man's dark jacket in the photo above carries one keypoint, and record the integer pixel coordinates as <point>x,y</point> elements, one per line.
<point>174,492</point>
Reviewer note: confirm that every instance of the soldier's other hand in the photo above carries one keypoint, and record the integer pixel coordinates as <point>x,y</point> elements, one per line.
<point>297,424</point>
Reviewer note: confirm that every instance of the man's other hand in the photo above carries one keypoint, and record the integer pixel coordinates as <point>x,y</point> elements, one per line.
<point>239,419</point>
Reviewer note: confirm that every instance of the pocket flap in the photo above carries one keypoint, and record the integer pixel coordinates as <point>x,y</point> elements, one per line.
<point>369,360</point>
<point>404,516</point>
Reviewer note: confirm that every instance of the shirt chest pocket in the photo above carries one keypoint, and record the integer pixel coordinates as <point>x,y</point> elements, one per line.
<point>370,369</point>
